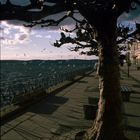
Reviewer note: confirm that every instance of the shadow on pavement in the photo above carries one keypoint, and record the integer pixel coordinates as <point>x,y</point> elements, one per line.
<point>49,105</point>
<point>90,75</point>
<point>130,115</point>
<point>135,97</point>
<point>92,89</point>
<point>92,100</point>
<point>83,82</point>
<point>56,100</point>
<point>132,128</point>
<point>134,102</point>
<point>136,85</point>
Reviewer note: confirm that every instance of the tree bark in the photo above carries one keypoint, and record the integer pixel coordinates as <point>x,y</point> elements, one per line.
<point>108,123</point>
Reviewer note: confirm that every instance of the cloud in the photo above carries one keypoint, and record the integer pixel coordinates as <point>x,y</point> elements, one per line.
<point>22,37</point>
<point>6,31</point>
<point>69,22</point>
<point>39,36</point>
<point>13,34</point>
<point>48,36</point>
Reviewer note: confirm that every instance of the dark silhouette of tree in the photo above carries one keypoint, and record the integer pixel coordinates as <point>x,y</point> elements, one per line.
<point>101,16</point>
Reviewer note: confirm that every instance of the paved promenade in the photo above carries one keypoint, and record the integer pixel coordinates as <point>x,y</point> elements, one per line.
<point>132,108</point>
<point>60,116</point>
<point>55,116</point>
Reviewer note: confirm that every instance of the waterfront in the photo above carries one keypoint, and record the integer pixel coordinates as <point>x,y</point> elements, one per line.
<point>24,77</point>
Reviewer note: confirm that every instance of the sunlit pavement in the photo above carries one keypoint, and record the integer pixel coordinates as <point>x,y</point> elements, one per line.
<point>59,117</point>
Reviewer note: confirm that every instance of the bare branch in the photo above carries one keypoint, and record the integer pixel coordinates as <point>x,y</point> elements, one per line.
<point>68,31</point>
<point>46,23</point>
<point>52,22</point>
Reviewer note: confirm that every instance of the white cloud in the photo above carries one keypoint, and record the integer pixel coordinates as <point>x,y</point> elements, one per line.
<point>48,36</point>
<point>33,32</point>
<point>13,34</point>
<point>53,31</point>
<point>6,31</point>
<point>38,36</point>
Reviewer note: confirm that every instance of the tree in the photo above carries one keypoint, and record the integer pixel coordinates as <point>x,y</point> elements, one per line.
<point>102,17</point>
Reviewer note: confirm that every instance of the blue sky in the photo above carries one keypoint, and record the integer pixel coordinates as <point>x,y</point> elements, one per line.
<point>18,42</point>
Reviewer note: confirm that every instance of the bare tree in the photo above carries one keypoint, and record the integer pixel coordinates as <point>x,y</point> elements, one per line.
<point>101,16</point>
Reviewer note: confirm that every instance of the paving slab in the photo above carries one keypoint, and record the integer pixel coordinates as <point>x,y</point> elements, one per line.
<point>53,116</point>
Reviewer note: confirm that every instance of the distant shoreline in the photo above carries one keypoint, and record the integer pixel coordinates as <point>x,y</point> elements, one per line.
<point>49,60</point>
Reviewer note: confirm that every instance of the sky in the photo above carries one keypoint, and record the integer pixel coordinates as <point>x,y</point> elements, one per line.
<point>20,43</point>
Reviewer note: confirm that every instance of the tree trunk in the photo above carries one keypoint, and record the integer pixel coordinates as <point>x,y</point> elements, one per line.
<point>108,123</point>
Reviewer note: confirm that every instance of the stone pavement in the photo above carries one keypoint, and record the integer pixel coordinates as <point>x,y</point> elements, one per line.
<point>60,116</point>
<point>134,73</point>
<point>56,116</point>
<point>132,108</point>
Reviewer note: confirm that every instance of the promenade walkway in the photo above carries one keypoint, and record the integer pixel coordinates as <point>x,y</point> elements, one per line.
<point>60,116</point>
<point>132,108</point>
<point>54,116</point>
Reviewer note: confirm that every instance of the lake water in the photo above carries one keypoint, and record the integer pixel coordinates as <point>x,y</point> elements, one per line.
<point>18,77</point>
